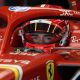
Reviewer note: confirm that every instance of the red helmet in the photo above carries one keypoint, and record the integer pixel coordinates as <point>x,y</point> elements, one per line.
<point>54,32</point>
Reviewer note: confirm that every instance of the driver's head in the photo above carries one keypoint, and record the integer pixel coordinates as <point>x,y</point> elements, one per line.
<point>41,37</point>
<point>43,32</point>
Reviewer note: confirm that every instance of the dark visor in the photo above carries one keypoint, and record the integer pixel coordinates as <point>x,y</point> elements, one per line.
<point>41,27</point>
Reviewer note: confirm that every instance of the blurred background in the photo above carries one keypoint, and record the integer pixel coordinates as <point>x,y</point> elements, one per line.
<point>63,3</point>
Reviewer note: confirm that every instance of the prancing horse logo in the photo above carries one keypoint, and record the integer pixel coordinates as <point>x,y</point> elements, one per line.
<point>50,70</point>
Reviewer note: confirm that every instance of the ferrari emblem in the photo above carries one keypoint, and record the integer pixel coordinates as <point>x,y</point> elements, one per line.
<point>50,71</point>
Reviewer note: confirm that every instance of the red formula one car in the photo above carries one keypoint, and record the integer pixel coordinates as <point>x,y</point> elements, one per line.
<point>39,43</point>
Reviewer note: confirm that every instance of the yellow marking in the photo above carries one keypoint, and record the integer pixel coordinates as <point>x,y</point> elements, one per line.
<point>35,26</point>
<point>50,71</point>
<point>18,51</point>
<point>15,70</point>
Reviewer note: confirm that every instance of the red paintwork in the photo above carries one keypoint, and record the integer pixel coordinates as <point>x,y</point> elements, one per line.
<point>35,68</point>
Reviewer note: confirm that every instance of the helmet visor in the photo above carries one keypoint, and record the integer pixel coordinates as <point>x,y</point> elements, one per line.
<point>42,33</point>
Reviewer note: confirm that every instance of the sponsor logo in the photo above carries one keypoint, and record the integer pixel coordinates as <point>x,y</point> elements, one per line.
<point>18,8</point>
<point>66,13</point>
<point>18,52</point>
<point>75,39</point>
<point>14,61</point>
<point>50,70</point>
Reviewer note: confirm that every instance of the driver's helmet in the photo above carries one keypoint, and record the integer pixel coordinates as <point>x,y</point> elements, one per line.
<point>45,34</point>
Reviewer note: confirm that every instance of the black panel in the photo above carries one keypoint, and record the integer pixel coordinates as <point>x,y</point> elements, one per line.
<point>63,3</point>
<point>78,78</point>
<point>68,72</point>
